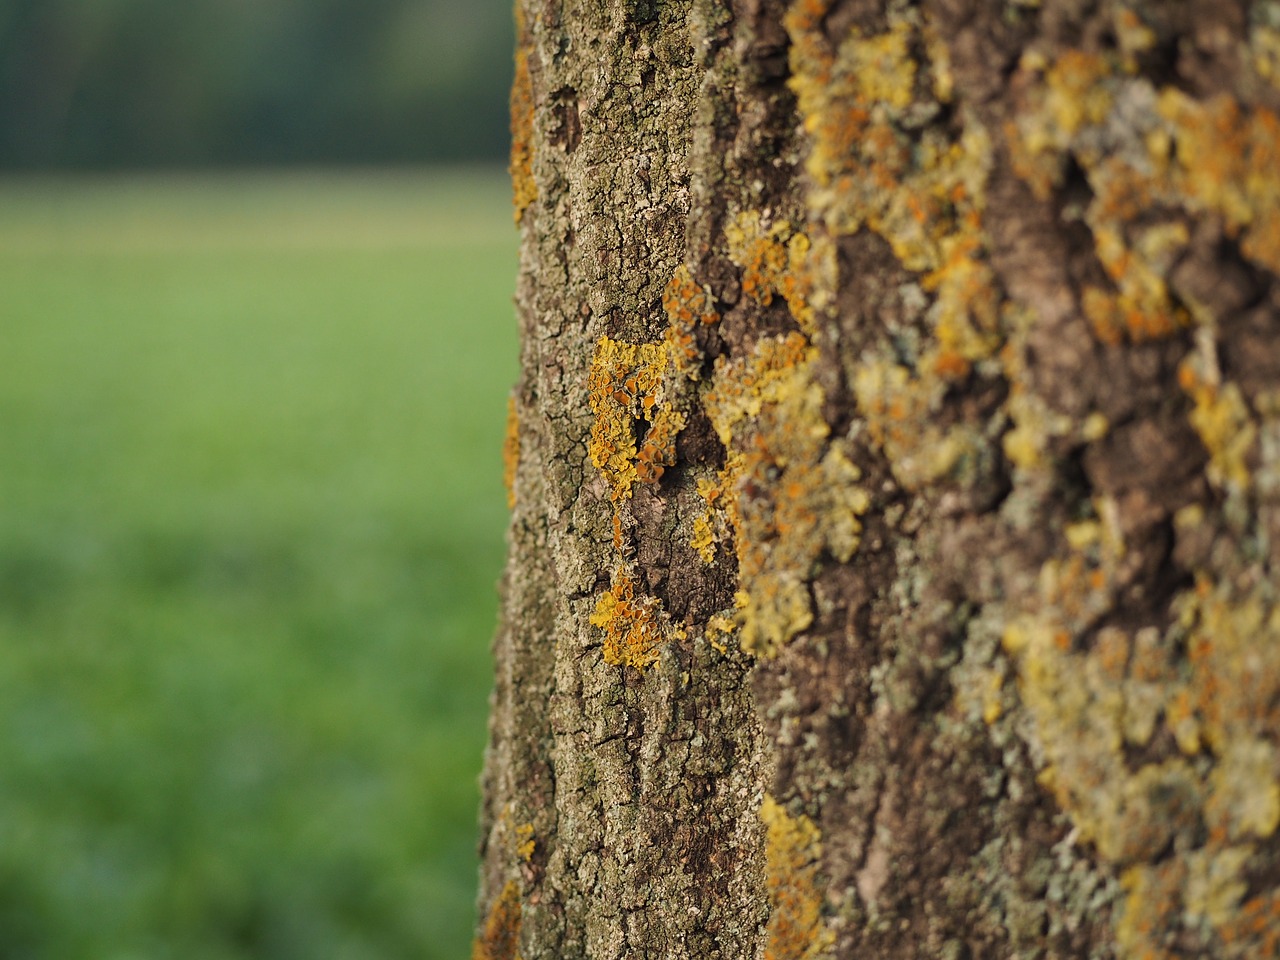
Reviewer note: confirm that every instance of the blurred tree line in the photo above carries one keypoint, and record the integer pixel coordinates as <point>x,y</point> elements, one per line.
<point>137,83</point>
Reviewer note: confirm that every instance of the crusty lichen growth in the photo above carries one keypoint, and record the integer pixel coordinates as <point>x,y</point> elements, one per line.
<point>786,492</point>
<point>511,452</point>
<point>792,491</point>
<point>1157,162</point>
<point>634,389</point>
<point>688,306</point>
<point>500,938</point>
<point>877,162</point>
<point>1153,158</point>
<point>526,844</point>
<point>793,852</point>
<point>634,624</point>
<point>1221,417</point>
<point>1212,802</point>
<point>778,261</point>
<point>628,395</point>
<point>523,187</point>
<point>1120,702</point>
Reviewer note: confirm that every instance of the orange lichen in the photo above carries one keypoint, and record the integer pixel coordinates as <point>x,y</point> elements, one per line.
<point>687,306</point>
<point>524,188</point>
<point>511,452</point>
<point>1221,417</point>
<point>777,261</point>
<point>1228,161</point>
<point>1256,927</point>
<point>787,492</point>
<point>899,410</point>
<point>791,492</point>
<point>627,395</point>
<point>1151,906</point>
<point>1265,44</point>
<point>1182,831</point>
<point>634,625</point>
<point>500,939</point>
<point>1143,149</point>
<point>708,529</point>
<point>1068,115</point>
<point>793,854</point>
<point>1090,704</point>
<point>920,188</point>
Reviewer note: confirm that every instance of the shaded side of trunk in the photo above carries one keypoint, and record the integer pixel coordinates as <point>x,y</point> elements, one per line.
<point>895,478</point>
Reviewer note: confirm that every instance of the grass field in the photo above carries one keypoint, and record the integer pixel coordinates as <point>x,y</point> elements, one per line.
<point>250,524</point>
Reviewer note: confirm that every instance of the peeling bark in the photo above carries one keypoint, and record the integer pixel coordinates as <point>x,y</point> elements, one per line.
<point>895,470</point>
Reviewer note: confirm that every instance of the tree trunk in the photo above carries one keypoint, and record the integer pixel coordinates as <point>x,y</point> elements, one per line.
<point>896,482</point>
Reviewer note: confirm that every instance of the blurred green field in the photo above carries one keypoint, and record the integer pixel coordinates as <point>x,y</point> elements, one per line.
<point>251,520</point>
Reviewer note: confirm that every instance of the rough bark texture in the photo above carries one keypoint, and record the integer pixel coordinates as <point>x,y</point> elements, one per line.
<point>896,483</point>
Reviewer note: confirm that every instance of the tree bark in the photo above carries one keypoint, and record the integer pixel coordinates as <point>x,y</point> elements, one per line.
<point>896,480</point>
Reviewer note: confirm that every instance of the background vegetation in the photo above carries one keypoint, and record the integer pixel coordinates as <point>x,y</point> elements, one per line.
<point>145,83</point>
<point>250,522</point>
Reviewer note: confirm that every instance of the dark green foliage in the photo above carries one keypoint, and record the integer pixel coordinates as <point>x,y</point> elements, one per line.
<point>112,83</point>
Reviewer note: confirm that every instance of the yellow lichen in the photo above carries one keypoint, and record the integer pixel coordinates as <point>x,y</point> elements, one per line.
<point>899,410</point>
<point>511,452</point>
<point>1180,830</point>
<point>524,188</point>
<point>634,624</point>
<point>1151,905</point>
<point>1221,418</point>
<point>1035,425</point>
<point>1228,161</point>
<point>687,306</point>
<point>1069,114</point>
<point>1213,682</point>
<point>525,842</point>
<point>793,854</point>
<point>920,188</point>
<point>1265,44</point>
<point>704,537</point>
<point>1255,927</point>
<point>1143,149</point>
<point>500,938</point>
<point>1133,36</point>
<point>709,527</point>
<point>791,492</point>
<point>778,262</point>
<point>719,628</point>
<point>627,393</point>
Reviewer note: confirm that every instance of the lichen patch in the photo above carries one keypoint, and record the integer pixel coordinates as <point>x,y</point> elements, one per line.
<point>634,432</point>
<point>634,625</point>
<point>793,851</point>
